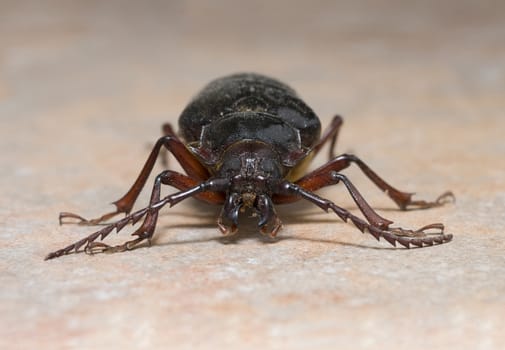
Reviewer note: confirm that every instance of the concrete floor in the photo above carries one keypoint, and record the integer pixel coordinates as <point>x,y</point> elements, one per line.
<point>84,88</point>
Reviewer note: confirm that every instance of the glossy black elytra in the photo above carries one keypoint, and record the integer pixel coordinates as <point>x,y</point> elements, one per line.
<point>244,143</point>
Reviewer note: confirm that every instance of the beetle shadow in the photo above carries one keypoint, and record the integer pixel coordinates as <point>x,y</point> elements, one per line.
<point>295,213</point>
<point>249,229</point>
<point>245,233</point>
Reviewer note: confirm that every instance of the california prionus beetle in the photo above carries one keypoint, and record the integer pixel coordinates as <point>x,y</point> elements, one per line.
<point>245,141</point>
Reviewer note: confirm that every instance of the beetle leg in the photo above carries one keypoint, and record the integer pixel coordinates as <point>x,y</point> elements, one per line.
<point>150,213</point>
<point>228,218</point>
<point>330,134</point>
<point>145,231</point>
<point>172,178</point>
<point>184,183</point>
<point>370,214</point>
<point>166,130</point>
<point>276,226</point>
<point>321,177</point>
<point>425,236</point>
<point>125,204</point>
<point>269,222</point>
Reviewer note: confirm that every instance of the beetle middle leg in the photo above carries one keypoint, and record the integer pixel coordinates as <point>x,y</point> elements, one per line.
<point>125,204</point>
<point>321,177</point>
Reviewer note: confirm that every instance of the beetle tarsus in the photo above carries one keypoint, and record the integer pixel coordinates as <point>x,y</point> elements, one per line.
<point>100,247</point>
<point>96,247</point>
<point>443,199</point>
<point>86,222</point>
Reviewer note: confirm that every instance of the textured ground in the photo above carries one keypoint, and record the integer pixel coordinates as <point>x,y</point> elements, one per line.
<point>84,88</point>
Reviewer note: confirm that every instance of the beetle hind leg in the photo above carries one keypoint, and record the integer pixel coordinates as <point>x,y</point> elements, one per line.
<point>321,177</point>
<point>330,135</point>
<point>402,199</point>
<point>125,204</point>
<point>444,198</point>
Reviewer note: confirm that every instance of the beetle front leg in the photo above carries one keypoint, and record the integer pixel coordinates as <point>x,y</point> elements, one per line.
<point>145,231</point>
<point>207,191</point>
<point>425,236</point>
<point>125,204</point>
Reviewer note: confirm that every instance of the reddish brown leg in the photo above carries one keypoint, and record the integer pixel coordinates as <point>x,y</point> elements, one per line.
<point>125,204</point>
<point>330,134</point>
<point>166,130</point>
<point>209,191</point>
<point>334,178</point>
<point>425,236</point>
<point>322,177</point>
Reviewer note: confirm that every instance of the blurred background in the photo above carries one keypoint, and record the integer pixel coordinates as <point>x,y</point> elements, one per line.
<point>84,89</point>
<point>150,56</point>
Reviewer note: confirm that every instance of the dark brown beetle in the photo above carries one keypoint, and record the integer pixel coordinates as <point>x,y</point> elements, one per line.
<point>247,141</point>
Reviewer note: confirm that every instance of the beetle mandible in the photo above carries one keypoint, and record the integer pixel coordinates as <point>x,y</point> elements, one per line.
<point>245,141</point>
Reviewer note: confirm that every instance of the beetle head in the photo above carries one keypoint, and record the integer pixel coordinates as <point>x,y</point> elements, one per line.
<point>255,171</point>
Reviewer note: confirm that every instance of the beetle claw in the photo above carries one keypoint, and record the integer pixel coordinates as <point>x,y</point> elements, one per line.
<point>277,224</point>
<point>97,247</point>
<point>82,220</point>
<point>227,230</point>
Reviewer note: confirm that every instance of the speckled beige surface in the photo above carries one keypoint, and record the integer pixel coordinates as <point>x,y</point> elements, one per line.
<point>84,88</point>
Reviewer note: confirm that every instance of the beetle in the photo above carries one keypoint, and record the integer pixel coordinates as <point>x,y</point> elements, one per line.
<point>245,142</point>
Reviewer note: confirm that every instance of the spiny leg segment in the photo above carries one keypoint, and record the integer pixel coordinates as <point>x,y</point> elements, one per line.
<point>424,236</point>
<point>146,230</point>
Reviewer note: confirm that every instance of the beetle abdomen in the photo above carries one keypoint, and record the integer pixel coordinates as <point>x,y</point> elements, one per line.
<point>253,93</point>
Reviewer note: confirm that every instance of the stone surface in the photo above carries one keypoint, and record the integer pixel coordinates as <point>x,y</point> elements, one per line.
<point>84,88</point>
